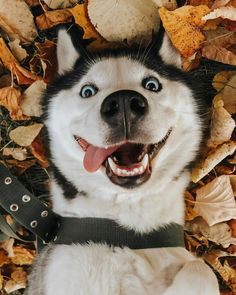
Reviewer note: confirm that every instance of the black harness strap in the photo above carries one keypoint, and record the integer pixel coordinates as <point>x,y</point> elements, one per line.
<point>50,227</point>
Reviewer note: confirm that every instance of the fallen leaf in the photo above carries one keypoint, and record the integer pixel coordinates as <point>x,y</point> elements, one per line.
<point>5,81</point>
<point>233,183</point>
<point>7,245</point>
<point>19,52</point>
<point>212,159</point>
<point>221,79</point>
<point>39,152</point>
<point>10,99</point>
<point>54,4</point>
<point>226,170</point>
<point>201,2</point>
<point>183,27</point>
<point>219,233</point>
<point>229,95</point>
<point>48,56</point>
<point>220,37</point>
<point>222,125</point>
<point>1,281</point>
<point>17,20</point>
<point>25,135</point>
<point>220,3</point>
<point>22,256</point>
<point>232,224</point>
<point>19,275</point>
<point>223,12</point>
<point>53,18</point>
<point>215,201</point>
<point>19,154</point>
<point>3,258</point>
<point>23,76</point>
<point>31,99</point>
<point>219,54</point>
<point>117,28</point>
<point>33,2</point>
<point>12,286</point>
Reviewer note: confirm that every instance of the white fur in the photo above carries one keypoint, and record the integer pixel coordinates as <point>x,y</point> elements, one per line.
<point>98,269</point>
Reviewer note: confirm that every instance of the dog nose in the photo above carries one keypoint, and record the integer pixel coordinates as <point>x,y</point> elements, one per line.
<point>126,106</point>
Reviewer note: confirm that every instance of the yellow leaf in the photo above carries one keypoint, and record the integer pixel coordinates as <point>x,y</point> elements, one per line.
<point>22,256</point>
<point>183,27</point>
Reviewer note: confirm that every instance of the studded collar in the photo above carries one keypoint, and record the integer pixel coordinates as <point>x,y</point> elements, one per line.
<point>49,227</point>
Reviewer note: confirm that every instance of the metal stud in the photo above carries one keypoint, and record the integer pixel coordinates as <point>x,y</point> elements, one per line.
<point>8,180</point>
<point>33,223</point>
<point>55,238</point>
<point>14,207</point>
<point>26,198</point>
<point>44,213</point>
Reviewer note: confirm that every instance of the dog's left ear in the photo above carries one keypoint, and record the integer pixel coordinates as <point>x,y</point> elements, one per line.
<point>168,53</point>
<point>66,52</point>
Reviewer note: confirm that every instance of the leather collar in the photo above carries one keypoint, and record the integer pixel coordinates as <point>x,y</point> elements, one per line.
<point>34,215</point>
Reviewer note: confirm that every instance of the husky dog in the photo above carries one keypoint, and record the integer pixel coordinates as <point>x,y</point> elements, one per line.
<point>123,128</point>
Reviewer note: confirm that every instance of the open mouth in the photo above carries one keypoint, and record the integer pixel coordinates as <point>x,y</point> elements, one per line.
<point>127,164</point>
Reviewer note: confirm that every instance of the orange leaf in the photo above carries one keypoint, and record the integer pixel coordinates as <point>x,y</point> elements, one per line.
<point>219,54</point>
<point>39,152</point>
<point>23,76</point>
<point>22,256</point>
<point>10,99</point>
<point>232,224</point>
<point>183,27</point>
<point>3,258</point>
<point>53,18</point>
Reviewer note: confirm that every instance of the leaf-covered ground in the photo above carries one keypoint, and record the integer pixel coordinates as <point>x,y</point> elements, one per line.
<point>199,29</point>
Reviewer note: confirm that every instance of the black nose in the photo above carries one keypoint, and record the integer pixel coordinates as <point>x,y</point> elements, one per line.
<point>124,107</point>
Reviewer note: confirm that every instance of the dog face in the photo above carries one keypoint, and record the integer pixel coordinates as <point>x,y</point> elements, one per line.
<point>120,120</point>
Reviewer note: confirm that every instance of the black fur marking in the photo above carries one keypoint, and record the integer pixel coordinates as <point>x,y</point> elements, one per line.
<point>69,190</point>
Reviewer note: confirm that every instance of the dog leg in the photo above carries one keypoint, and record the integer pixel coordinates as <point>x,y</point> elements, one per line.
<point>194,278</point>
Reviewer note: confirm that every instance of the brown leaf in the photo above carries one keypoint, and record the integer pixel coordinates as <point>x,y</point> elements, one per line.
<point>232,224</point>
<point>3,258</point>
<point>22,256</point>
<point>19,275</point>
<point>10,99</point>
<point>219,54</point>
<point>183,27</point>
<point>53,18</point>
<point>17,20</point>
<point>47,52</point>
<point>23,76</point>
<point>25,135</point>
<point>229,95</point>
<point>39,151</point>
<point>19,154</point>
<point>19,52</point>
<point>54,4</point>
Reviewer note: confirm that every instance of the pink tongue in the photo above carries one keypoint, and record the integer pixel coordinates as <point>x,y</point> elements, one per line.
<point>94,157</point>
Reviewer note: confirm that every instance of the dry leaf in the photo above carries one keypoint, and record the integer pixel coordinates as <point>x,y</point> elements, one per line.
<point>219,3</point>
<point>10,99</point>
<point>212,159</point>
<point>48,56</point>
<point>19,275</point>
<point>227,273</point>
<point>233,183</point>
<point>219,233</point>
<point>221,79</point>
<point>169,4</point>
<point>53,18</point>
<point>33,2</point>
<point>7,245</point>
<point>25,135</point>
<point>5,81</point>
<point>222,125</point>
<point>22,256</point>
<point>232,225</point>
<point>39,152</point>
<point>220,37</point>
<point>3,258</point>
<point>12,286</point>
<point>183,27</point>
<point>19,52</point>
<point>81,18</point>
<point>223,12</point>
<point>229,95</point>
<point>17,20</point>
<point>127,20</point>
<point>31,98</point>
<point>54,4</point>
<point>23,76</point>
<point>200,2</point>
<point>19,154</point>
<point>219,54</point>
<point>227,170</point>
<point>1,281</point>
<point>215,201</point>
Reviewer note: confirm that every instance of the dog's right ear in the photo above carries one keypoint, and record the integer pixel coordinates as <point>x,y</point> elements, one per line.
<point>66,52</point>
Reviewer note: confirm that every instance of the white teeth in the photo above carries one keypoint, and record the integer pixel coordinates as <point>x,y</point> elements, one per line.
<point>145,161</point>
<point>138,169</point>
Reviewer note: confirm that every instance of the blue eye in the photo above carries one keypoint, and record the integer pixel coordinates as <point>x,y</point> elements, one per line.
<point>88,90</point>
<point>151,84</point>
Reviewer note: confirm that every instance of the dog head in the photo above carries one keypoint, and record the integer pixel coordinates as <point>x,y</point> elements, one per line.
<point>119,120</point>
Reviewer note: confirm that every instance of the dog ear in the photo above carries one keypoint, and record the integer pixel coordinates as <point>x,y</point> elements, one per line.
<point>168,53</point>
<point>66,52</point>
